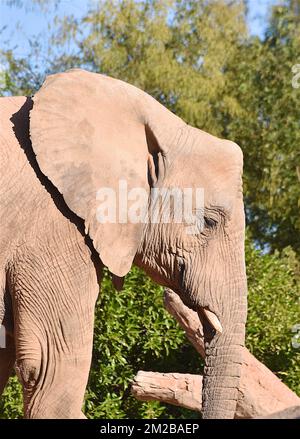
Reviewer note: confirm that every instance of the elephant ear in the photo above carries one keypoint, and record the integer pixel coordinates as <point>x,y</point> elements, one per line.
<point>88,133</point>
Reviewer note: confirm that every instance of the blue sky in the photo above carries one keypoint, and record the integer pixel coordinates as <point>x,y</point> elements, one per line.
<point>22,24</point>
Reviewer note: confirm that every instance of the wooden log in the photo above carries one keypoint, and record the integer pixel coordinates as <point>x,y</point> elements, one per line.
<point>261,393</point>
<point>184,390</point>
<point>179,389</point>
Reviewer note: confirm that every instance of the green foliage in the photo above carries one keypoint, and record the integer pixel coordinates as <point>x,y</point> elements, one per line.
<point>11,403</point>
<point>268,129</point>
<point>274,308</point>
<point>17,77</point>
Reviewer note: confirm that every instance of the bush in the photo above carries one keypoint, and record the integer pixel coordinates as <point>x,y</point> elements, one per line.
<point>274,308</point>
<point>133,331</point>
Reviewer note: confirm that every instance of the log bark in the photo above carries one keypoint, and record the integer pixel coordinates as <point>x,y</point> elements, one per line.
<point>179,389</point>
<point>261,393</point>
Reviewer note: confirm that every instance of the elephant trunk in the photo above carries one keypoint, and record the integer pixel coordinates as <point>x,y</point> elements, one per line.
<point>223,360</point>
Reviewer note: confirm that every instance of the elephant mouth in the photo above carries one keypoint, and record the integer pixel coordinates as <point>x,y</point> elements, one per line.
<point>207,317</point>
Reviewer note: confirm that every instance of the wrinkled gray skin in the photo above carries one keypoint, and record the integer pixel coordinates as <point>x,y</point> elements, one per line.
<point>52,253</point>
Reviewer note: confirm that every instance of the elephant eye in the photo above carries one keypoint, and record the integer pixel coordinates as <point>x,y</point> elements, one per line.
<point>209,222</point>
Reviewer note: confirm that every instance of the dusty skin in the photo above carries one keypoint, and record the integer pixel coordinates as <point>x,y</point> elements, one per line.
<point>80,132</point>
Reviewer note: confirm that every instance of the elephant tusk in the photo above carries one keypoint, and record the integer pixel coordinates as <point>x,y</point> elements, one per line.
<point>213,320</point>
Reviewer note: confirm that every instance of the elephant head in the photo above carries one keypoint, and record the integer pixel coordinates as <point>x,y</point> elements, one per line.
<point>88,132</point>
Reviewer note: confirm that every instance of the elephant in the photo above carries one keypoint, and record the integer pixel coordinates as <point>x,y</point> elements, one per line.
<point>80,132</point>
